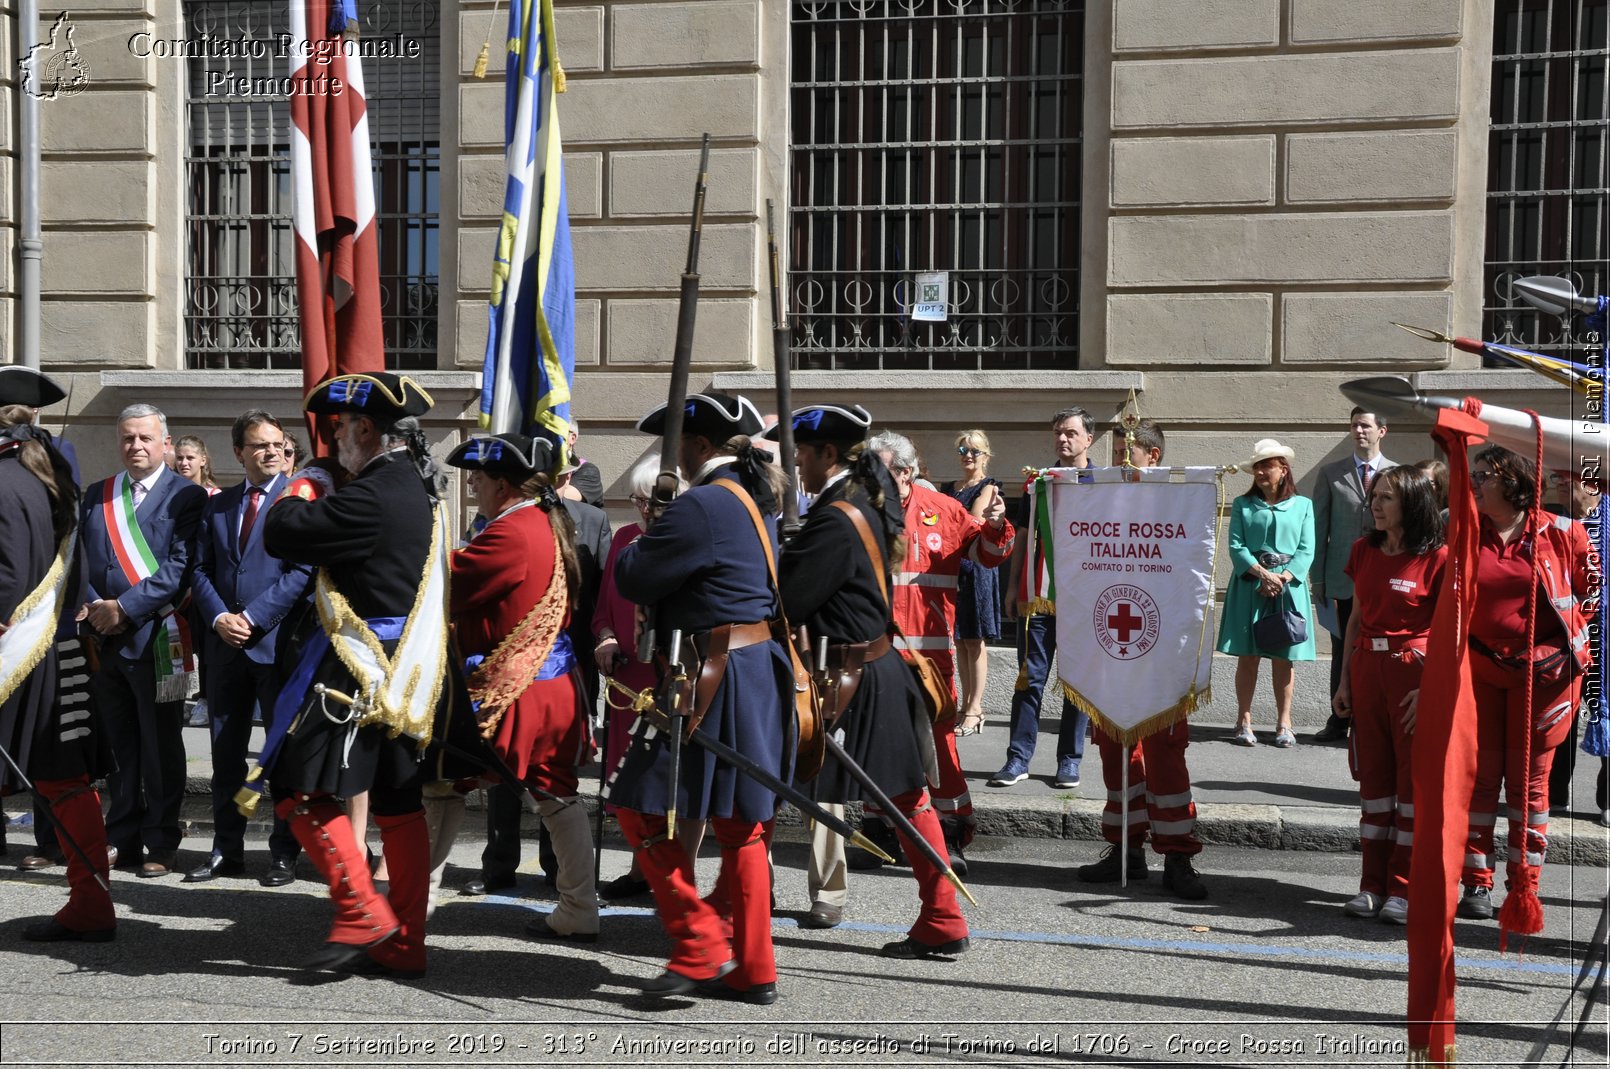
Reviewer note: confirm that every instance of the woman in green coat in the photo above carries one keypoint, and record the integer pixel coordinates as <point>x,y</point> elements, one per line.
<point>1271,547</point>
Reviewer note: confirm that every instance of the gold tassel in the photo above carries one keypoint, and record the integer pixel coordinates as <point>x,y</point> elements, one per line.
<point>558,76</point>
<point>483,59</point>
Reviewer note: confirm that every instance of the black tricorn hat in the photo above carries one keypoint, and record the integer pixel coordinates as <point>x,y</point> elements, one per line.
<point>828,423</point>
<point>717,416</point>
<point>24,386</point>
<point>511,456</point>
<point>380,395</point>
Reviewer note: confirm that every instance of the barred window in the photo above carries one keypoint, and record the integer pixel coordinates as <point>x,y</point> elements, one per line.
<point>1549,163</point>
<point>240,293</point>
<point>936,136</point>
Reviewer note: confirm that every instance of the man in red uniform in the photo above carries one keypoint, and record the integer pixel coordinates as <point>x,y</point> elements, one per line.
<point>1159,782</point>
<point>940,533</point>
<point>510,604</point>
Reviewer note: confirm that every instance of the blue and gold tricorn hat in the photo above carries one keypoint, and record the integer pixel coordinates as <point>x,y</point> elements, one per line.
<point>511,456</point>
<point>827,423</point>
<point>380,395</point>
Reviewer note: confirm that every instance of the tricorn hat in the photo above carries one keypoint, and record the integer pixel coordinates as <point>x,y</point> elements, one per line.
<point>715,415</point>
<point>828,423</point>
<point>24,386</point>
<point>380,395</point>
<point>511,456</point>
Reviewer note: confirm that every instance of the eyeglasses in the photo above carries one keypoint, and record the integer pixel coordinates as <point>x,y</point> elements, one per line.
<point>1478,478</point>
<point>967,451</point>
<point>640,501</point>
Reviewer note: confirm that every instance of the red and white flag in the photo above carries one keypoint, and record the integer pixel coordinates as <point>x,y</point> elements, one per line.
<point>333,202</point>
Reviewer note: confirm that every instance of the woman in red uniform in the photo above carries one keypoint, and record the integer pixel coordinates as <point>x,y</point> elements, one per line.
<point>1513,534</point>
<point>511,598</point>
<point>1396,571</point>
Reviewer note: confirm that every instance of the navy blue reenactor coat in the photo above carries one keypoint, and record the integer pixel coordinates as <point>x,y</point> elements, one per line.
<point>702,565</point>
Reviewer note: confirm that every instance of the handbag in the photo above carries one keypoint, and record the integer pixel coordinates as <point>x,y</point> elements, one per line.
<point>932,686</point>
<point>1282,628</point>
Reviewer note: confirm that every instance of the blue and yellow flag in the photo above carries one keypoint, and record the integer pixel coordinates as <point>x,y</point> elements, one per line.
<point>531,344</point>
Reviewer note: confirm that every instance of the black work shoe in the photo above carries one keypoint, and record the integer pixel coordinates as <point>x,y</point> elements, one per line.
<point>281,872</point>
<point>623,887</point>
<point>671,984</point>
<point>539,928</point>
<point>213,868</point>
<point>911,949</point>
<point>51,930</point>
<point>1335,730</point>
<point>1180,876</point>
<point>758,995</point>
<point>1476,905</point>
<point>487,885</point>
<point>1107,869</point>
<point>822,915</point>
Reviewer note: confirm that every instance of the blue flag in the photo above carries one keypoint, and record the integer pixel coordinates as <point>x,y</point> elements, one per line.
<point>531,343</point>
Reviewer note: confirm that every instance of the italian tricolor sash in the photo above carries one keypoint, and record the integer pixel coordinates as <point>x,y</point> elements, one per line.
<point>1037,590</point>
<point>32,628</point>
<point>171,646</point>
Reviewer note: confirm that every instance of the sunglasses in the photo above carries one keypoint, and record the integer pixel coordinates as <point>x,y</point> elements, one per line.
<point>1478,478</point>
<point>968,451</point>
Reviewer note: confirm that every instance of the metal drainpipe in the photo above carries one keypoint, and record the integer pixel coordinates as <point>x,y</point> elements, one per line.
<point>30,242</point>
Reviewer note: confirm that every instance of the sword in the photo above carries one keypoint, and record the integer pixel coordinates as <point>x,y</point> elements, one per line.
<point>787,791</point>
<point>495,759</point>
<point>48,808</point>
<point>861,776</point>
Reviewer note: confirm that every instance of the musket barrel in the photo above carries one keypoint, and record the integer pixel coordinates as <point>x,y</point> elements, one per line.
<point>780,370</point>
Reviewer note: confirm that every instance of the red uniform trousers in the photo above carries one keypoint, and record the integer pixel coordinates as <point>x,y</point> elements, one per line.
<point>1159,790</point>
<point>76,806</point>
<point>700,944</point>
<point>940,920</point>
<point>1379,754</point>
<point>1501,718</point>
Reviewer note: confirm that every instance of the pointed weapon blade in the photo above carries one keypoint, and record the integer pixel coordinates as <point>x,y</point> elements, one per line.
<point>1554,295</point>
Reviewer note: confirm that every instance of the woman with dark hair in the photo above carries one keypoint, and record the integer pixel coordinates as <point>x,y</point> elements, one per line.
<point>1436,470</point>
<point>1536,584</point>
<point>1271,547</point>
<point>1396,571</point>
<point>60,750</point>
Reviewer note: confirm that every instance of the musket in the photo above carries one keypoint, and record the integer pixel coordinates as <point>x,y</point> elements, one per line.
<point>675,677</point>
<point>45,806</point>
<point>785,396</point>
<point>681,366</point>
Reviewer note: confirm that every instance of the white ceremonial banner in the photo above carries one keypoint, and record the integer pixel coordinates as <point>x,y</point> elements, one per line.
<point>1132,556</point>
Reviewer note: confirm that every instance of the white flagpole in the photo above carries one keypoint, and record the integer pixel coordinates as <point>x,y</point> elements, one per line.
<point>1123,826</point>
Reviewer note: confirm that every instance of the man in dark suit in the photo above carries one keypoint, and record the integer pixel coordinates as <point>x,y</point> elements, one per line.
<point>139,532</point>
<point>242,594</point>
<point>1341,516</point>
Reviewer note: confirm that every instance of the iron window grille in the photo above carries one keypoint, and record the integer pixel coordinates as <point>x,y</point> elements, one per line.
<point>240,287</point>
<point>1549,164</point>
<point>936,135</point>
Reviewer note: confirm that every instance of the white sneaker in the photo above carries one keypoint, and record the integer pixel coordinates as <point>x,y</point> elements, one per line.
<point>198,714</point>
<point>1363,904</point>
<point>1396,911</point>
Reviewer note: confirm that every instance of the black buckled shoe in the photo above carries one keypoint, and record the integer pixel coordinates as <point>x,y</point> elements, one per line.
<point>281,871</point>
<point>671,984</point>
<point>911,949</point>
<point>213,868</point>
<point>758,995</point>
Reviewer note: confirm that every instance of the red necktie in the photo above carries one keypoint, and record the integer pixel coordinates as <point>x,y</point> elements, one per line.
<point>253,495</point>
<point>1367,476</point>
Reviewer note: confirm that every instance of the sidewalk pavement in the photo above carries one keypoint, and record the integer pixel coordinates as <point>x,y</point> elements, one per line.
<point>1301,798</point>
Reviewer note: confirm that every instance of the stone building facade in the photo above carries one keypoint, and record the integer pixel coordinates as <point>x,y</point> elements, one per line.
<point>1265,184</point>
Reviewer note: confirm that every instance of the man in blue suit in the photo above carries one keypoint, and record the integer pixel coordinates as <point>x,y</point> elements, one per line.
<point>139,532</point>
<point>242,594</point>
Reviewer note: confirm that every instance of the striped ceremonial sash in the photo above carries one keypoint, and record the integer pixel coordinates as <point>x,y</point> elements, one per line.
<point>171,646</point>
<point>1037,593</point>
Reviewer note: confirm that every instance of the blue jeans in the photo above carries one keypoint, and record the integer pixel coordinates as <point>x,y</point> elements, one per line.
<point>1037,645</point>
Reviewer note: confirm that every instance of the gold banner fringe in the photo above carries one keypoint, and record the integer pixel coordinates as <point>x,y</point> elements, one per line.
<point>1037,607</point>
<point>1422,1056</point>
<point>1159,721</point>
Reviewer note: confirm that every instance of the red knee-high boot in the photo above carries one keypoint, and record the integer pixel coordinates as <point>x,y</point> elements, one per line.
<point>362,917</point>
<point>699,947</point>
<point>76,807</point>
<point>746,875</point>
<point>940,920</point>
<point>405,841</point>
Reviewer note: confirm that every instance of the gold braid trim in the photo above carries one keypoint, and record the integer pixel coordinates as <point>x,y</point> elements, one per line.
<point>51,586</point>
<point>498,681</point>
<point>1159,721</point>
<point>1422,1055</point>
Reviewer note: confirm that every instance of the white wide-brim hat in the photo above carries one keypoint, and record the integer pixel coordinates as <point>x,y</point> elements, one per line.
<point>1267,449</point>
